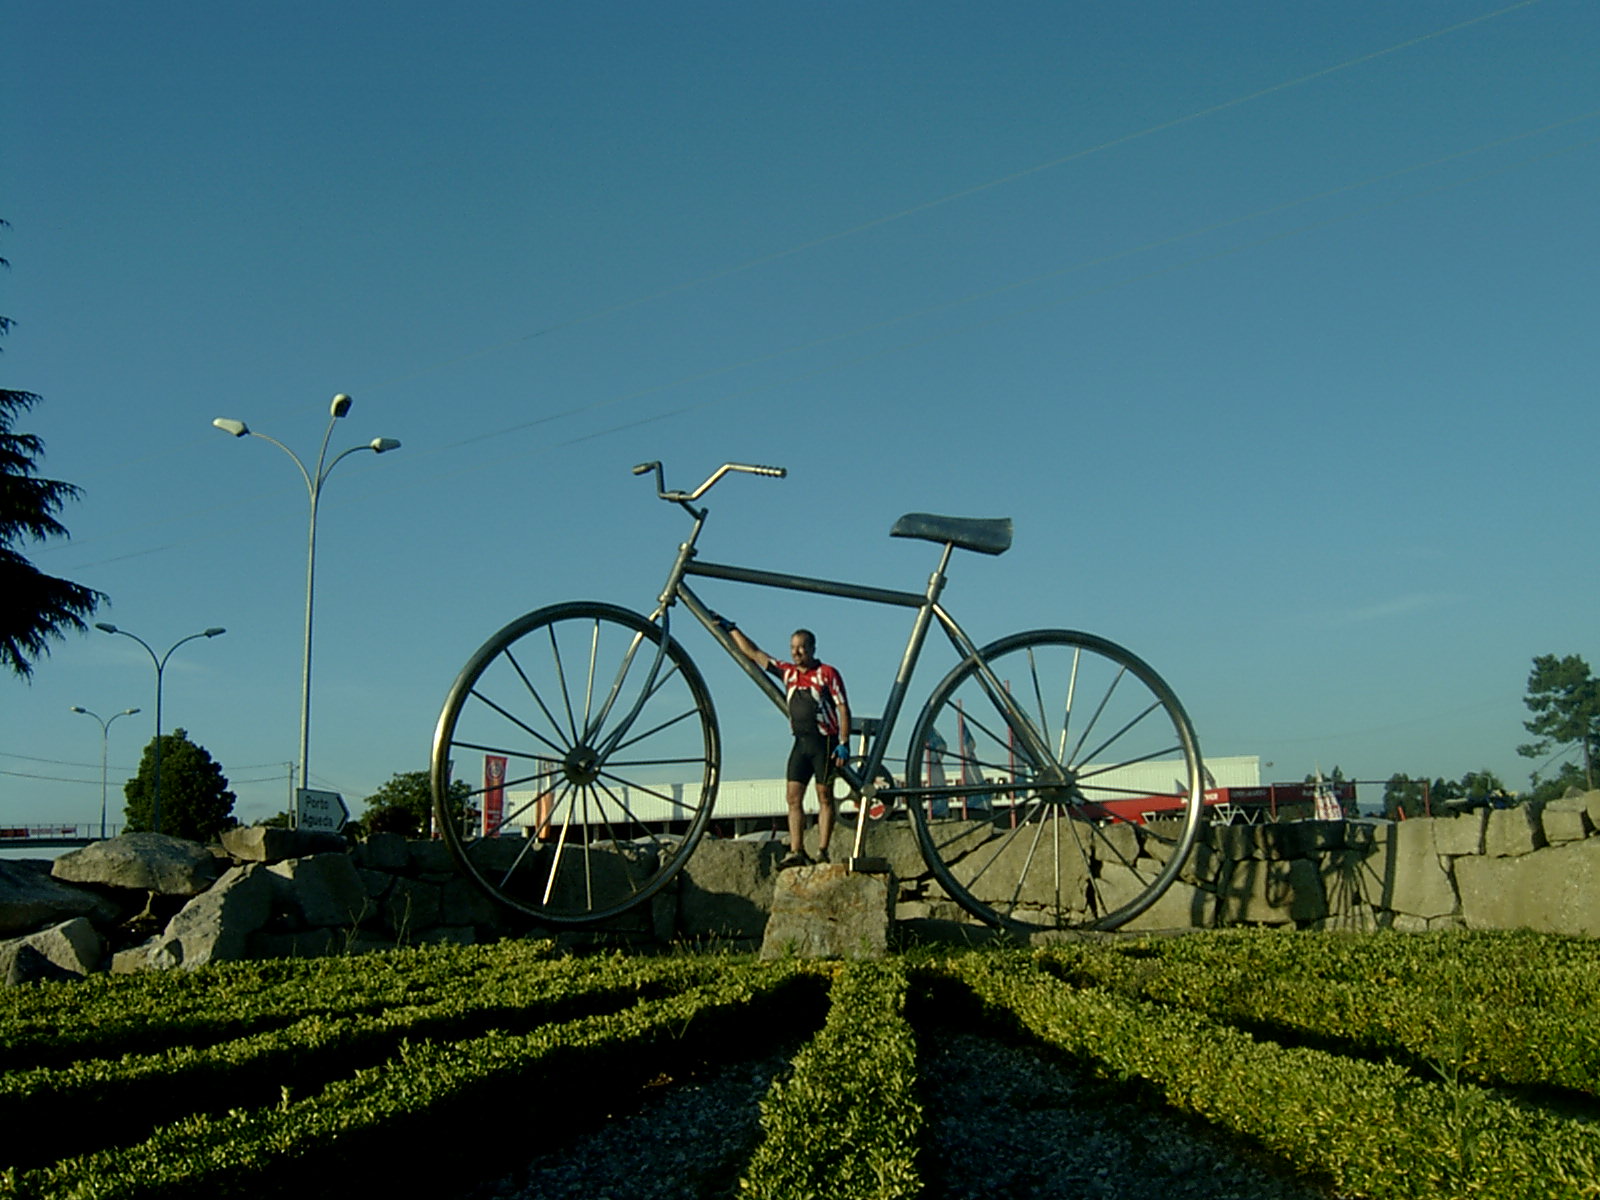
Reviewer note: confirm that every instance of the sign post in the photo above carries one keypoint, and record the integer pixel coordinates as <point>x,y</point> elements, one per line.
<point>319,812</point>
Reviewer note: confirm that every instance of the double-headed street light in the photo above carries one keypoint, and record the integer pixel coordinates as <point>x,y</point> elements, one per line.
<point>314,481</point>
<point>105,738</point>
<point>161,667</point>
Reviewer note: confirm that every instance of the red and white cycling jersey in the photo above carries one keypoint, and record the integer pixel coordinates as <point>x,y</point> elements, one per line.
<point>814,695</point>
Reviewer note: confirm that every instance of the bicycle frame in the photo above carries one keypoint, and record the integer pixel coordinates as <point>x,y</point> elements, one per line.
<point>1034,857</point>
<point>1031,741</point>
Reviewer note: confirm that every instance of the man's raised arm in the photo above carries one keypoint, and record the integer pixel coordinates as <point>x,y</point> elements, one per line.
<point>746,647</point>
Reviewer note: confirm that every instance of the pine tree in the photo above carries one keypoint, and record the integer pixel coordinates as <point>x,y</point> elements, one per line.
<point>37,607</point>
<point>195,800</point>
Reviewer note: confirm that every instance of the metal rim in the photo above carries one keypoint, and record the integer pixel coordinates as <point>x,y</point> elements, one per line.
<point>593,713</point>
<point>1055,845</point>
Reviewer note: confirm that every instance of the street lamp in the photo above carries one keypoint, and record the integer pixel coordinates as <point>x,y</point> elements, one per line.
<point>161,667</point>
<point>105,738</point>
<point>314,481</point>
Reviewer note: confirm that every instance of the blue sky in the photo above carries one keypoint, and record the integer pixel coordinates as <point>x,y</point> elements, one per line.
<point>1271,325</point>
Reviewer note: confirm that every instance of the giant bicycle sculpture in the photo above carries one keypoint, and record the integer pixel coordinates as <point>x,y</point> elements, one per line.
<point>1016,777</point>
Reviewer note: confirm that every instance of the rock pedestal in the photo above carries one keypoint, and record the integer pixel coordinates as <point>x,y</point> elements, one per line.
<point>826,912</point>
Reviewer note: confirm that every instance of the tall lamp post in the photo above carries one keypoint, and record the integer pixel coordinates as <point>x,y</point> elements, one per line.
<point>105,739</point>
<point>161,667</point>
<point>313,481</point>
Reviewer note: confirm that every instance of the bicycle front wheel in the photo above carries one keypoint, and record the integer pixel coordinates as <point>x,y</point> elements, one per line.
<point>586,746</point>
<point>1054,783</point>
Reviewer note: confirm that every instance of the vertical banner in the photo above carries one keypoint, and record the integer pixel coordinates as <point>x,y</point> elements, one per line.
<point>494,796</point>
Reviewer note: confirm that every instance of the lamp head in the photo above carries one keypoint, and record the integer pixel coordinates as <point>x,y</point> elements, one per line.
<point>229,425</point>
<point>341,405</point>
<point>104,626</point>
<point>77,709</point>
<point>380,445</point>
<point>128,712</point>
<point>214,631</point>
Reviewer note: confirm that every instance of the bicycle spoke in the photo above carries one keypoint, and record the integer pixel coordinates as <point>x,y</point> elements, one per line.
<point>683,716</point>
<point>518,722</point>
<point>1154,755</point>
<point>561,841</point>
<point>534,693</point>
<point>617,685</point>
<point>516,862</point>
<point>622,804</point>
<point>588,686</point>
<point>1112,740</point>
<point>1038,696</point>
<point>512,814</point>
<point>561,680</point>
<point>1103,789</point>
<point>1095,719</point>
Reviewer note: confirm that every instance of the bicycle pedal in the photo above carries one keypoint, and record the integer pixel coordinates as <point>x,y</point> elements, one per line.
<point>864,865</point>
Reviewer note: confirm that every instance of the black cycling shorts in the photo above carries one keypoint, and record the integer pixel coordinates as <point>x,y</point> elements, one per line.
<point>809,759</point>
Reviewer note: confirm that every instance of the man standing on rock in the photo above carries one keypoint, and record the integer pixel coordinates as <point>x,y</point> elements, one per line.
<point>819,717</point>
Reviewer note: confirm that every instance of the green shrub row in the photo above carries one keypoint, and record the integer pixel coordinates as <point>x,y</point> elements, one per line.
<point>846,1122</point>
<point>52,1112</point>
<point>1371,1129</point>
<point>1497,1008</point>
<point>118,1014</point>
<point>409,1109</point>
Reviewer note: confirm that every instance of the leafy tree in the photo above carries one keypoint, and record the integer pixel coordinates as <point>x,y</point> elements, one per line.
<point>1569,777</point>
<point>1564,697</point>
<point>405,803</point>
<point>1480,786</point>
<point>37,607</point>
<point>195,800</point>
<point>1402,796</point>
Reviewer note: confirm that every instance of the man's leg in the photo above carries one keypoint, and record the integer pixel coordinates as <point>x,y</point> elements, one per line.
<point>796,796</point>
<point>824,816</point>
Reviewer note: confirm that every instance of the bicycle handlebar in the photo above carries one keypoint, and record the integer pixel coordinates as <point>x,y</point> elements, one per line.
<point>686,497</point>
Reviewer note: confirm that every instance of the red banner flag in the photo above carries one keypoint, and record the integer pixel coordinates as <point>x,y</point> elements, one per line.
<point>494,796</point>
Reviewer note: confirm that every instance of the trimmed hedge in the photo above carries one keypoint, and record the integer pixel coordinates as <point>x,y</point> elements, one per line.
<point>395,1109</point>
<point>846,1123</point>
<point>1382,1066</point>
<point>1498,1008</point>
<point>1374,1129</point>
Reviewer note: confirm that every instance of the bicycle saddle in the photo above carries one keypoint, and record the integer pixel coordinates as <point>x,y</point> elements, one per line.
<point>985,535</point>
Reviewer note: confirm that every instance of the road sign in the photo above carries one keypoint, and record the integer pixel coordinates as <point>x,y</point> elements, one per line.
<point>319,812</point>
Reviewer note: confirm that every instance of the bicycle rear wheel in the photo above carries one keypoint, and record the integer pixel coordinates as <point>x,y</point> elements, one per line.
<point>600,757</point>
<point>1085,836</point>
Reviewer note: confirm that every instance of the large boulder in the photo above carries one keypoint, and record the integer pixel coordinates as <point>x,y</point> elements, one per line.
<point>1417,882</point>
<point>150,862</point>
<point>411,906</point>
<point>324,891</point>
<point>270,844</point>
<point>30,898</point>
<point>216,925</point>
<point>1556,890</point>
<point>1255,891</point>
<point>1458,835</point>
<point>73,947</point>
<point>725,889</point>
<point>28,965</point>
<point>1514,831</point>
<point>826,912</point>
<point>1181,906</point>
<point>383,852</point>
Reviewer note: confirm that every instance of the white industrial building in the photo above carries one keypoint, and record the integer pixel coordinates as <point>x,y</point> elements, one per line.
<point>756,803</point>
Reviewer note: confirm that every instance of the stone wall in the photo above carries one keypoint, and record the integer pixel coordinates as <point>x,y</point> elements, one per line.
<point>146,902</point>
